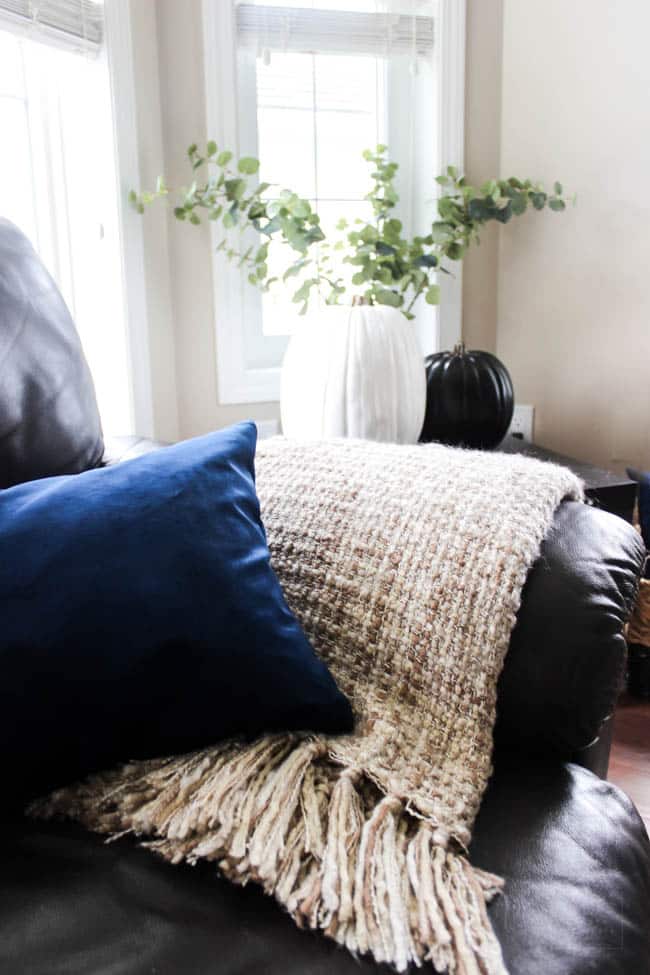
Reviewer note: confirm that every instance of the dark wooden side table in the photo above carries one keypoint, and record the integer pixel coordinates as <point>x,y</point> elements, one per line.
<point>606,490</point>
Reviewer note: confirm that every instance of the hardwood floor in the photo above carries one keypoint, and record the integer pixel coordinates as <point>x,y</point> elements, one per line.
<point>629,765</point>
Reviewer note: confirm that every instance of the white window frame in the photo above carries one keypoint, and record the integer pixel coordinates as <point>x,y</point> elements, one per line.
<point>119,48</point>
<point>237,382</point>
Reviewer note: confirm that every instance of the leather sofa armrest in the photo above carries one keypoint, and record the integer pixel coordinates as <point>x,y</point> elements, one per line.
<point>566,662</point>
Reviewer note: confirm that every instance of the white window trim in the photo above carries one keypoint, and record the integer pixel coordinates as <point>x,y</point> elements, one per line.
<point>119,46</point>
<point>450,50</point>
<point>238,383</point>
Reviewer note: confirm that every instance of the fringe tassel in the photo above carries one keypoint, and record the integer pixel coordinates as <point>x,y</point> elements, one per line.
<point>322,839</point>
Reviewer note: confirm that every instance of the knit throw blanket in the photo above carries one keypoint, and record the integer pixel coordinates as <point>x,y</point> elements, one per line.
<point>405,566</point>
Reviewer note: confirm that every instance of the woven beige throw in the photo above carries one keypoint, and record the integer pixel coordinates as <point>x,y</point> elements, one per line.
<point>405,566</point>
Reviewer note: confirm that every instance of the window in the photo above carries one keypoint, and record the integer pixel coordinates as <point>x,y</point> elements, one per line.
<point>316,83</point>
<point>58,175</point>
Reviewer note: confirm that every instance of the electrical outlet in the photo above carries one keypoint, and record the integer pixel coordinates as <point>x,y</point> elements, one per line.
<point>267,428</point>
<point>522,422</point>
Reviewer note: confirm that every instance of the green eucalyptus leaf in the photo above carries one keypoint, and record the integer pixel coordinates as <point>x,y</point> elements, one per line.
<point>314,235</point>
<point>230,218</point>
<point>426,260</point>
<point>271,227</point>
<point>447,208</point>
<point>248,165</point>
<point>224,158</point>
<point>558,189</point>
<point>432,296</point>
<point>479,209</point>
<point>256,210</point>
<point>386,250</point>
<point>235,188</point>
<point>303,292</point>
<point>441,232</point>
<point>504,214</point>
<point>383,274</point>
<point>455,251</point>
<point>299,208</point>
<point>369,234</point>
<point>519,203</point>
<point>384,296</point>
<point>294,269</point>
<point>211,148</point>
<point>557,205</point>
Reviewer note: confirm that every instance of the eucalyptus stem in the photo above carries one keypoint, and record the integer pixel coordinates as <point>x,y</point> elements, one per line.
<point>389,268</point>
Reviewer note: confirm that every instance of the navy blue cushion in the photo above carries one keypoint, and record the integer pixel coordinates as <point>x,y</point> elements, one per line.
<point>140,616</point>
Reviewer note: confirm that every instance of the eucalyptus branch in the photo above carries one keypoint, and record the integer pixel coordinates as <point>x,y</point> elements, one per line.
<point>387,267</point>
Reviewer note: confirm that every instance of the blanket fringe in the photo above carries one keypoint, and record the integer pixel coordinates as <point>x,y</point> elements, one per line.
<point>336,853</point>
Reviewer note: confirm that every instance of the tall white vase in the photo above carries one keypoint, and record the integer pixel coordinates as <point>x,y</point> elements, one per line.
<point>354,372</point>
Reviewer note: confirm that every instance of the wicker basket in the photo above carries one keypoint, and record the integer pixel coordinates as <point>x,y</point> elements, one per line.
<point>639,628</point>
<point>638,637</point>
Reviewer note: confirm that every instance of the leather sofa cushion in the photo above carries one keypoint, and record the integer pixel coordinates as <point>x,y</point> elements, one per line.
<point>572,848</point>
<point>49,422</point>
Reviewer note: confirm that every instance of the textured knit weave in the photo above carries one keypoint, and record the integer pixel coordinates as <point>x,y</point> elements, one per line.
<point>405,565</point>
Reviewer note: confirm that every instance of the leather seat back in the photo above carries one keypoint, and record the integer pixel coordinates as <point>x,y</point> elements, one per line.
<point>49,422</point>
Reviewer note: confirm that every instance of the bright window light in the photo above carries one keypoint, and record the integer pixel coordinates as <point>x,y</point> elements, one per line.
<point>58,184</point>
<point>317,83</point>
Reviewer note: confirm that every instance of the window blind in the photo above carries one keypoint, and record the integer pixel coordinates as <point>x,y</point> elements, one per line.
<point>320,30</point>
<point>76,25</point>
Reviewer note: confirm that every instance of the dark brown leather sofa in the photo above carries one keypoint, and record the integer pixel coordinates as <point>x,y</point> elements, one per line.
<point>572,848</point>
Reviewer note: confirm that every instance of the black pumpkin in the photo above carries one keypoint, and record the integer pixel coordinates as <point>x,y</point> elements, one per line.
<point>469,399</point>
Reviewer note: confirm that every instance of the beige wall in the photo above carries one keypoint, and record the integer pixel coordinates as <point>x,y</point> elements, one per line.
<point>554,90</point>
<point>168,45</point>
<point>482,161</point>
<point>573,295</point>
<point>156,247</point>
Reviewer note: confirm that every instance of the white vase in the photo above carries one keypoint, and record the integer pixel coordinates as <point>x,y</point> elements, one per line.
<point>354,372</point>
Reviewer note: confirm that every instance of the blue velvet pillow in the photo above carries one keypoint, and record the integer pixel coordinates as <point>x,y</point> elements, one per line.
<point>140,616</point>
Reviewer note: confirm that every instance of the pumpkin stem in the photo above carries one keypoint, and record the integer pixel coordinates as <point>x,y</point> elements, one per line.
<point>361,300</point>
<point>459,348</point>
